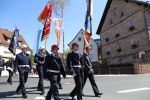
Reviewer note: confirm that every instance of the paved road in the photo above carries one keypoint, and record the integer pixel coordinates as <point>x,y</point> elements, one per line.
<point>126,87</point>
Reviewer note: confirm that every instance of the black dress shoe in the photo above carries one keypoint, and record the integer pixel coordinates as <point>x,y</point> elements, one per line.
<point>24,96</point>
<point>60,87</point>
<point>72,97</point>
<point>18,92</point>
<point>98,95</point>
<point>82,94</point>
<point>38,89</point>
<point>42,92</point>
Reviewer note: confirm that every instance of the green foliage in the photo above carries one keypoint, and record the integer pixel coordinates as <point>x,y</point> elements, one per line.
<point>32,56</point>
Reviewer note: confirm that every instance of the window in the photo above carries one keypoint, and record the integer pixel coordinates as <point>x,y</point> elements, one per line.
<point>107,39</point>
<point>20,43</point>
<point>118,48</point>
<point>8,40</point>
<point>134,43</point>
<point>114,11</point>
<point>108,51</point>
<point>110,21</point>
<point>121,14</point>
<point>131,24</point>
<point>118,30</point>
<point>117,35</point>
<point>79,39</point>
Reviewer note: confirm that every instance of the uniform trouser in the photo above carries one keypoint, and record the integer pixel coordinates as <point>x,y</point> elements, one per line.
<point>78,88</point>
<point>23,79</point>
<point>59,80</point>
<point>53,89</point>
<point>92,81</point>
<point>10,76</point>
<point>0,72</point>
<point>40,73</point>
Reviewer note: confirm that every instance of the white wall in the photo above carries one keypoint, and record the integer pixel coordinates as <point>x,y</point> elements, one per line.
<point>4,52</point>
<point>94,47</point>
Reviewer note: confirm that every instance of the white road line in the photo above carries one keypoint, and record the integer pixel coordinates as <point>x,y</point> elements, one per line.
<point>67,83</point>
<point>110,75</point>
<point>60,97</point>
<point>40,98</point>
<point>134,90</point>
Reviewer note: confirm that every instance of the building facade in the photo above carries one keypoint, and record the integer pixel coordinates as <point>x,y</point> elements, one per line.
<point>124,31</point>
<point>5,38</point>
<point>79,39</point>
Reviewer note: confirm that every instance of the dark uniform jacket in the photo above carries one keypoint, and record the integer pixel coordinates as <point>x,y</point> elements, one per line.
<point>74,58</point>
<point>53,65</point>
<point>87,63</point>
<point>2,63</point>
<point>10,65</point>
<point>22,59</point>
<point>39,57</point>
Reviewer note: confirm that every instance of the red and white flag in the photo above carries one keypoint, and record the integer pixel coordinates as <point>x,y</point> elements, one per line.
<point>45,17</point>
<point>45,13</point>
<point>58,23</point>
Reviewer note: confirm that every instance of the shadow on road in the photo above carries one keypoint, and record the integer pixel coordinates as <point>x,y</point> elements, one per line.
<point>36,87</point>
<point>4,83</point>
<point>8,94</point>
<point>89,96</point>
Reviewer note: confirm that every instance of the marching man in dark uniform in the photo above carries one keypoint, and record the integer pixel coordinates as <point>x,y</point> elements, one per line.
<point>53,67</point>
<point>88,72</point>
<point>74,65</point>
<point>39,60</point>
<point>23,65</point>
<point>2,63</point>
<point>10,68</point>
<point>59,76</point>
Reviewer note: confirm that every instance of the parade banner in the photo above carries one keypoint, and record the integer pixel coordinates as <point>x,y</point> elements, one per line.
<point>37,41</point>
<point>47,24</point>
<point>14,41</point>
<point>58,23</point>
<point>88,22</point>
<point>45,13</point>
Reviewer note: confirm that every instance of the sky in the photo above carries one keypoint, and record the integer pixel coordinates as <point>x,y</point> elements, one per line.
<point>24,14</point>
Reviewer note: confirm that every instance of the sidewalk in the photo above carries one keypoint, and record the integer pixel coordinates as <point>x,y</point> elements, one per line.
<point>5,73</point>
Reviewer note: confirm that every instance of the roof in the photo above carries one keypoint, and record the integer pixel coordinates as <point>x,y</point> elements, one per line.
<point>146,4</point>
<point>5,34</point>
<point>76,35</point>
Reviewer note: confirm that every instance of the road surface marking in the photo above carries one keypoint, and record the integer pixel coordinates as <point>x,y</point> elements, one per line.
<point>40,98</point>
<point>67,83</point>
<point>134,90</point>
<point>110,75</point>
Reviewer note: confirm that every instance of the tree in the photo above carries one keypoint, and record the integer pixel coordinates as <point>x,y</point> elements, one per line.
<point>59,7</point>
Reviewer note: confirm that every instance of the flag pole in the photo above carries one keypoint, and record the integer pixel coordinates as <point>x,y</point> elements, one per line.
<point>45,46</point>
<point>62,29</point>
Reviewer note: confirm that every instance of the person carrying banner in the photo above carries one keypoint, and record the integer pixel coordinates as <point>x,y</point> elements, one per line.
<point>2,63</point>
<point>23,65</point>
<point>39,59</point>
<point>74,62</point>
<point>53,68</point>
<point>10,68</point>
